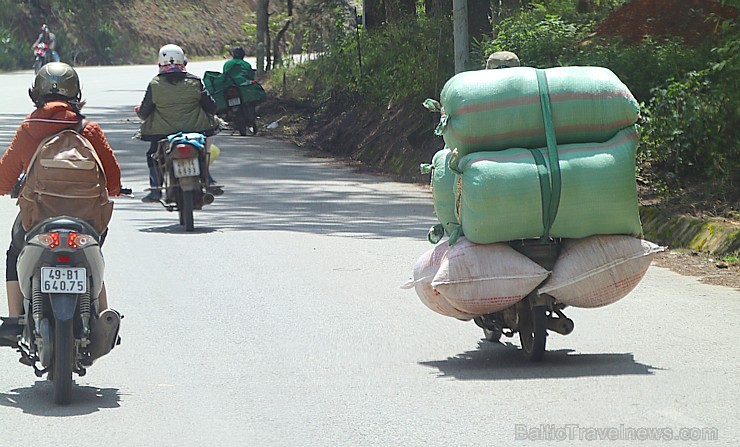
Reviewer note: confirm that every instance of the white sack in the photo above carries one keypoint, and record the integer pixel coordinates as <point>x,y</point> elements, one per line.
<point>424,270</point>
<point>486,278</point>
<point>599,270</point>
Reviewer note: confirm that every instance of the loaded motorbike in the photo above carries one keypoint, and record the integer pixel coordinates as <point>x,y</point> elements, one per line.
<point>61,271</point>
<point>239,114</point>
<point>182,161</point>
<point>236,99</point>
<point>42,56</point>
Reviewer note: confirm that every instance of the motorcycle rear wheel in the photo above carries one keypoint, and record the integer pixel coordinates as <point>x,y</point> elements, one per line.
<point>250,116</point>
<point>240,120</point>
<point>533,333</point>
<point>186,210</point>
<point>62,365</point>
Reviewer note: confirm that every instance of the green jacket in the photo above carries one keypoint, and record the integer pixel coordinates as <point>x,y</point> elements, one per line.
<point>176,102</point>
<point>239,69</point>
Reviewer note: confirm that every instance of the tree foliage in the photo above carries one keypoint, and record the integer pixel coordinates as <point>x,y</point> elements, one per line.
<point>690,94</point>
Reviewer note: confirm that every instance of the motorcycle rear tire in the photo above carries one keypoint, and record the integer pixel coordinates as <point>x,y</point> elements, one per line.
<point>186,210</point>
<point>250,116</point>
<point>533,333</point>
<point>240,120</point>
<point>62,364</point>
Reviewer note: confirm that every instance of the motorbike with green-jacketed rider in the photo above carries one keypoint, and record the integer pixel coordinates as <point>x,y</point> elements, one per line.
<point>236,99</point>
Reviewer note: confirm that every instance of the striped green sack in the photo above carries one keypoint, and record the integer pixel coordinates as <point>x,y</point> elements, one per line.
<point>443,193</point>
<point>500,193</point>
<point>490,110</point>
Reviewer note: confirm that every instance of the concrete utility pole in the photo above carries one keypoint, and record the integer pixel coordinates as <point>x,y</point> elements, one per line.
<point>462,46</point>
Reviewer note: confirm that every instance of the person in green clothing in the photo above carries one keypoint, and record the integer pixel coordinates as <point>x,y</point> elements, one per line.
<point>237,67</point>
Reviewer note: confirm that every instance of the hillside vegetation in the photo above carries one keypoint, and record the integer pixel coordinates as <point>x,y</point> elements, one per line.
<point>101,32</point>
<point>689,157</point>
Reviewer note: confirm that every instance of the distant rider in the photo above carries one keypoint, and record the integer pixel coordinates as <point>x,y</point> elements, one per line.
<point>57,96</point>
<point>50,40</point>
<point>175,101</point>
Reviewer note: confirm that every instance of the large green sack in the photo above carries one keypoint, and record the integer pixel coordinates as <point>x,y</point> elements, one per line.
<point>501,195</point>
<point>443,192</point>
<point>490,110</point>
<point>216,83</point>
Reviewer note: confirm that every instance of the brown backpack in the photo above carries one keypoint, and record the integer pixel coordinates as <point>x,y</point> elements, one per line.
<point>65,178</point>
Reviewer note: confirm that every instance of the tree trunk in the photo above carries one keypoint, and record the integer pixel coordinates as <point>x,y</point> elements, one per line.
<point>398,10</point>
<point>277,58</point>
<point>373,13</point>
<point>479,19</point>
<point>438,8</point>
<point>263,34</point>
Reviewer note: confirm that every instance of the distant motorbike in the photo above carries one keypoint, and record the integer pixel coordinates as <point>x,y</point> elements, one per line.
<point>240,115</point>
<point>236,99</point>
<point>182,160</point>
<point>61,269</point>
<point>42,57</point>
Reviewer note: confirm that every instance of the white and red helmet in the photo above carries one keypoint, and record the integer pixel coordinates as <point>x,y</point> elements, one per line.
<point>171,59</point>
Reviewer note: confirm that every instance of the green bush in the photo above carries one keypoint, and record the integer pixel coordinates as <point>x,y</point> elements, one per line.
<point>411,59</point>
<point>690,124</point>
<point>13,54</point>
<point>540,40</point>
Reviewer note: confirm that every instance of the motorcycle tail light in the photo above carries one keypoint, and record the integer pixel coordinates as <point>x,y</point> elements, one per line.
<point>63,259</point>
<point>76,240</point>
<point>48,240</point>
<point>185,151</point>
<point>232,92</point>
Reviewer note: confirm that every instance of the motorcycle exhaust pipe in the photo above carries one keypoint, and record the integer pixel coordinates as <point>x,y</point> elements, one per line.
<point>105,335</point>
<point>562,325</point>
<point>208,198</point>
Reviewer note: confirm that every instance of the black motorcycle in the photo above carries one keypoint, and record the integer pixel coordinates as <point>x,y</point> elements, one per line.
<point>182,160</point>
<point>236,99</point>
<point>240,115</point>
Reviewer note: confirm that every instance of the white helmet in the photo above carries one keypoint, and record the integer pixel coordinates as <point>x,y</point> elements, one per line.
<point>171,55</point>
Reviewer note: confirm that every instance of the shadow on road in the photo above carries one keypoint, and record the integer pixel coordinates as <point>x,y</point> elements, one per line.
<point>37,400</point>
<point>275,186</point>
<point>497,361</point>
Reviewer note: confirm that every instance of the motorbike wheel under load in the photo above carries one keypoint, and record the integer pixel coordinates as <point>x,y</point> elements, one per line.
<point>182,160</point>
<point>63,267</point>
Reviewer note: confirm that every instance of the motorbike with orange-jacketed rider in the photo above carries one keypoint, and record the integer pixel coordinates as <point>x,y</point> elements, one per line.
<point>61,272</point>
<point>182,161</point>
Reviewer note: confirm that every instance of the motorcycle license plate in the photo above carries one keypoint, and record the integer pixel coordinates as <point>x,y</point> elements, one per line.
<point>186,167</point>
<point>63,280</point>
<point>234,102</point>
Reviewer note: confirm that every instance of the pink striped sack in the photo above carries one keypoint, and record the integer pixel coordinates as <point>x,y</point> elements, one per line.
<point>482,279</point>
<point>424,270</point>
<point>599,270</point>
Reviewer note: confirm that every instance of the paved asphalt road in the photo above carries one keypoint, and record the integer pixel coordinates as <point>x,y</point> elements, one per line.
<point>280,322</point>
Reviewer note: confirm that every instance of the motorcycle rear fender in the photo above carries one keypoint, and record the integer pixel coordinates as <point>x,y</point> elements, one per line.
<point>33,257</point>
<point>63,306</point>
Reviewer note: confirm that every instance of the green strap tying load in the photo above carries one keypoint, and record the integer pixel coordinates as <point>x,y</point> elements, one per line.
<point>549,178</point>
